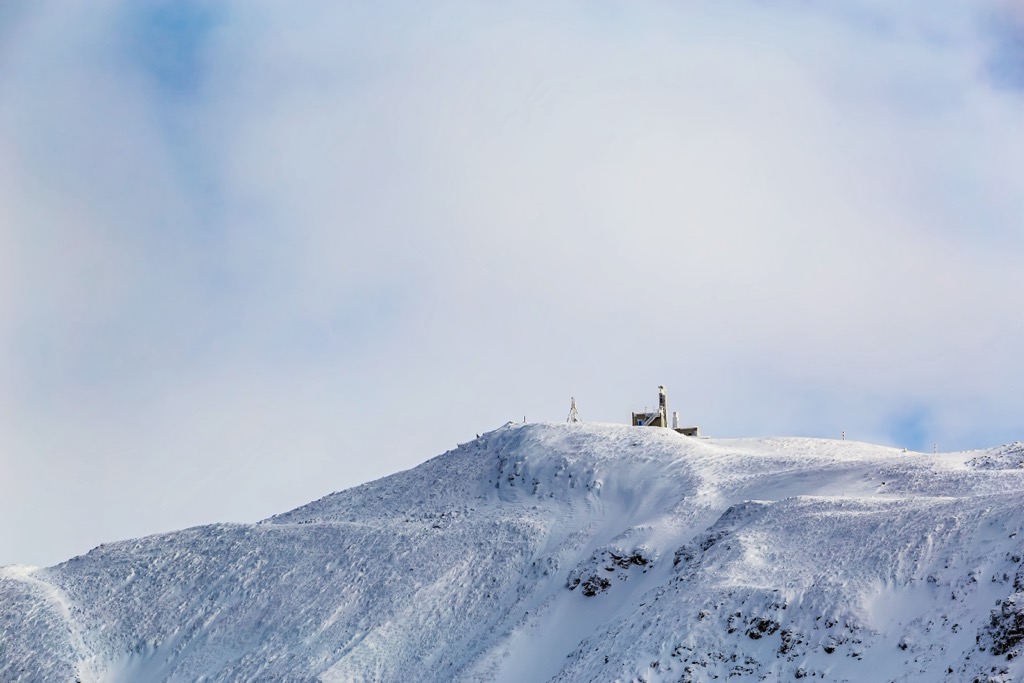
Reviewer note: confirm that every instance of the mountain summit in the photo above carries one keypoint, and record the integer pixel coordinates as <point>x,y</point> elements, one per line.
<point>575,552</point>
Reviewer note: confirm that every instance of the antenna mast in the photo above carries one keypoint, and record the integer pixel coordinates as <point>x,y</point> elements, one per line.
<point>663,405</point>
<point>574,415</point>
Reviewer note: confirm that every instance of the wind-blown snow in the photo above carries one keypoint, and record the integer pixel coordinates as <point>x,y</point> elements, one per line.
<point>567,553</point>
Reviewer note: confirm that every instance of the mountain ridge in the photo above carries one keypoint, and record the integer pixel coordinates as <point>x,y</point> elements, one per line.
<point>554,552</point>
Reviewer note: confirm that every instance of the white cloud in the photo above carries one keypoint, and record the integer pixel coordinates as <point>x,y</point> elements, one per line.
<point>360,235</point>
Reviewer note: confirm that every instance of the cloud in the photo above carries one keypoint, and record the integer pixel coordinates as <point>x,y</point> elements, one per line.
<point>252,253</point>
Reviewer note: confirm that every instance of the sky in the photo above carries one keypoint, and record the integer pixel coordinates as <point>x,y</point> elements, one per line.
<point>252,252</point>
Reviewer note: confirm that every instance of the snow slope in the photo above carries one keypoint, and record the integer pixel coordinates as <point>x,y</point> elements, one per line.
<point>549,552</point>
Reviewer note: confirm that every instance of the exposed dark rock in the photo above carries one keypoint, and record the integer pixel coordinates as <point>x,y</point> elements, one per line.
<point>595,585</point>
<point>760,627</point>
<point>1005,629</point>
<point>616,562</point>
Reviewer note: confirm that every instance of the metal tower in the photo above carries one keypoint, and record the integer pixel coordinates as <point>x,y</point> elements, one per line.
<point>574,415</point>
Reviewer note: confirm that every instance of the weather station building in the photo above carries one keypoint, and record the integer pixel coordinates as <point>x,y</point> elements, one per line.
<point>659,418</point>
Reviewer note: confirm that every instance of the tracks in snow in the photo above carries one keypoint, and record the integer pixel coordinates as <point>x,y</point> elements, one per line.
<point>56,597</point>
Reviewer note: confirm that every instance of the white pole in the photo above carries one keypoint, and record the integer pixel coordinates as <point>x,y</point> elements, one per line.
<point>663,405</point>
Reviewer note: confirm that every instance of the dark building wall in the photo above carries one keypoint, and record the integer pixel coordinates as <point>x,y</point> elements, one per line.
<point>641,418</point>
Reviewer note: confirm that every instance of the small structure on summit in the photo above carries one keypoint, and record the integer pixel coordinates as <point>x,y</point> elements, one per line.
<point>660,417</point>
<point>574,415</point>
<point>656,419</point>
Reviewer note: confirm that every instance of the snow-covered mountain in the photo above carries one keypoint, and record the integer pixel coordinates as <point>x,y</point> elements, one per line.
<point>548,552</point>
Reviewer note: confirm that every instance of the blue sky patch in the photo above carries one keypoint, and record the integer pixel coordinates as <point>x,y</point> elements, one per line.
<point>911,428</point>
<point>168,40</point>
<point>1006,62</point>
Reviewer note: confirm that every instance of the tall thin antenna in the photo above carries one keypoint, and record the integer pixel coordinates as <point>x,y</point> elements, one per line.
<point>574,415</point>
<point>663,405</point>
